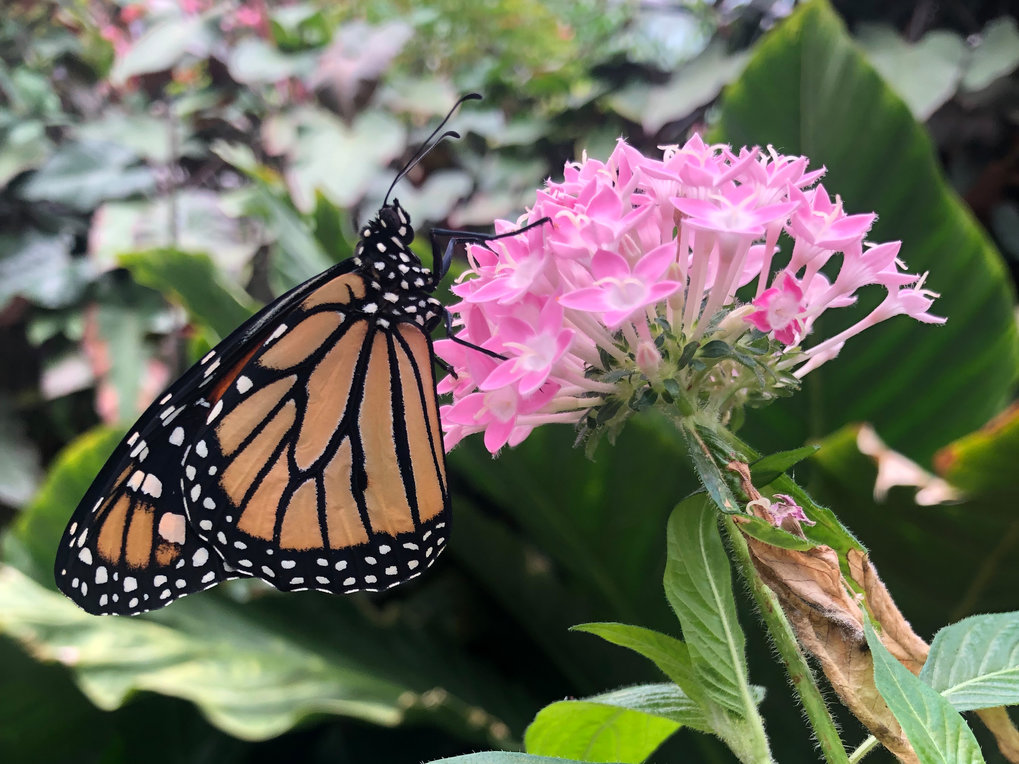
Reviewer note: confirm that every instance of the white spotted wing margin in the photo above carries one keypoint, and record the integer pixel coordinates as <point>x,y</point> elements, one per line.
<point>128,547</point>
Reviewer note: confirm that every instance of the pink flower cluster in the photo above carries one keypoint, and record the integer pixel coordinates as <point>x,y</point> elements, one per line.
<point>637,271</point>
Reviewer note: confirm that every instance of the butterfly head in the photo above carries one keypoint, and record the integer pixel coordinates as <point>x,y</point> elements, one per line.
<point>393,222</point>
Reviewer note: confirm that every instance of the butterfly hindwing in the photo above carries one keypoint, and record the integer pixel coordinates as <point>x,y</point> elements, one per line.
<point>128,548</point>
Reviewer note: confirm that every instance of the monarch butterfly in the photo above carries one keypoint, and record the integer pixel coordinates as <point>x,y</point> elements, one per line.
<point>304,449</point>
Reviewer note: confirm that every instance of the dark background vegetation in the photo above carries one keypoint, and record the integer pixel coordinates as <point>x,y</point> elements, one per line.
<point>167,167</point>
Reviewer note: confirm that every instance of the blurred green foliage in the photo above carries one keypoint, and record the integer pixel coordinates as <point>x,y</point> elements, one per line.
<point>166,167</point>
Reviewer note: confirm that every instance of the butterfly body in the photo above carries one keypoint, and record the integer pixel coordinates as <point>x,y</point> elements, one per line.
<point>304,449</point>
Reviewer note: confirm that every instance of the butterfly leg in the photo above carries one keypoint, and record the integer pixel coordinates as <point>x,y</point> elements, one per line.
<point>440,264</point>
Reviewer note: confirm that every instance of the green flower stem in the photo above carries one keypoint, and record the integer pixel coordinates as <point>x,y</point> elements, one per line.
<point>863,749</point>
<point>782,635</point>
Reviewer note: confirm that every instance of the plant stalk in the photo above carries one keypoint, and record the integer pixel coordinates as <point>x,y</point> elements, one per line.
<point>800,675</point>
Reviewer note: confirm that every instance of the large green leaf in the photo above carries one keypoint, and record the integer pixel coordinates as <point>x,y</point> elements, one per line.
<point>534,593</point>
<point>503,757</point>
<point>298,254</point>
<point>39,699</point>
<point>983,462</point>
<point>255,670</point>
<point>81,175</point>
<point>196,283</point>
<point>19,468</point>
<point>163,45</point>
<point>249,670</point>
<point>669,654</point>
<point>39,267</point>
<point>975,663</point>
<point>625,726</point>
<point>808,90</point>
<point>937,732</point>
<point>600,521</point>
<point>698,585</point>
<point>192,220</point>
<point>24,145</point>
<point>341,159</point>
<point>925,73</point>
<point>41,524</point>
<point>965,549</point>
<point>693,85</point>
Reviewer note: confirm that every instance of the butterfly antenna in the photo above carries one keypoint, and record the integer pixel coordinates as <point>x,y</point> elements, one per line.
<point>430,143</point>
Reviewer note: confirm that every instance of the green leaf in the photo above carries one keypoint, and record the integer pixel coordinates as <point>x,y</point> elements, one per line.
<point>122,328</point>
<point>24,146</point>
<point>764,531</point>
<point>975,663</point>
<point>339,159</point>
<point>691,86</point>
<point>710,475</point>
<point>196,283</point>
<point>625,726</point>
<point>19,468</point>
<point>996,55</point>
<point>937,732</point>
<point>503,757</point>
<point>983,462</point>
<point>925,72</point>
<point>581,519</point>
<point>333,228</point>
<point>698,585</point>
<point>82,174</point>
<point>768,468</point>
<point>39,267</point>
<point>41,524</point>
<point>809,91</point>
<point>193,220</point>
<point>246,668</point>
<point>298,255</point>
<point>155,138</point>
<point>43,698</point>
<point>161,46</point>
<point>669,654</point>
<point>253,61</point>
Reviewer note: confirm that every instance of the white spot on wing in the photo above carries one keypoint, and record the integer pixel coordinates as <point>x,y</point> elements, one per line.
<point>172,527</point>
<point>276,334</point>
<point>135,480</point>
<point>152,486</point>
<point>214,413</point>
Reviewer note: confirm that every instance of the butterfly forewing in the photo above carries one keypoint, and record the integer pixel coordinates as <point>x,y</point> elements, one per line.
<point>321,465</point>
<point>128,547</point>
